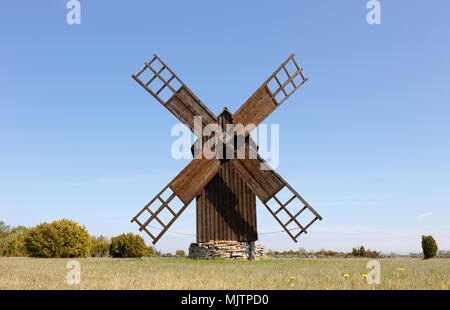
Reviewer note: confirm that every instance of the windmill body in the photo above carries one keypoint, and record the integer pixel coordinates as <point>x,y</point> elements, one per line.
<point>225,187</point>
<point>226,206</point>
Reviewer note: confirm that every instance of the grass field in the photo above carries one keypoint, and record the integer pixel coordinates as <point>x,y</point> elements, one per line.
<point>162,273</point>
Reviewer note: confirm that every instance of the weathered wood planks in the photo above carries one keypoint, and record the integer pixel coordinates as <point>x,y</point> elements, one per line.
<point>190,181</point>
<point>255,109</point>
<point>264,183</point>
<point>185,107</point>
<point>226,208</point>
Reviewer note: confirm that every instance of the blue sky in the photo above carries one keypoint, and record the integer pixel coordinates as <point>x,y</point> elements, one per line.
<point>366,140</point>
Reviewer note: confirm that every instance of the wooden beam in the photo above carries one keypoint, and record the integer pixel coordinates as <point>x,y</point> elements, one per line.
<point>307,226</point>
<point>281,224</point>
<point>295,216</point>
<point>279,68</point>
<point>148,89</point>
<point>165,84</point>
<point>134,219</point>
<point>289,213</point>
<point>304,81</point>
<point>289,77</point>
<point>155,75</point>
<point>155,214</point>
<point>170,223</point>
<point>287,82</point>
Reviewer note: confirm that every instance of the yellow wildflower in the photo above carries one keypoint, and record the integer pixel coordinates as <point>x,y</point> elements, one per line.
<point>444,286</point>
<point>346,275</point>
<point>292,278</point>
<point>364,276</point>
<point>401,269</point>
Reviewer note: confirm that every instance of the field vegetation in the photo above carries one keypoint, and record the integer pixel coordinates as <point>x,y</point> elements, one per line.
<point>53,245</point>
<point>184,273</point>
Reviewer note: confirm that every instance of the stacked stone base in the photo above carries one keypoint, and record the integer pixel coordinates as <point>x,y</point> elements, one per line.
<point>227,250</point>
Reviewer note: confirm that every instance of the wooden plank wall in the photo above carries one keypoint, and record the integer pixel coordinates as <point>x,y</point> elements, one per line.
<point>226,208</point>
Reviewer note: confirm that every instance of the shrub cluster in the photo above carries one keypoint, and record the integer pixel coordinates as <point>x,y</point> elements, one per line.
<point>302,251</point>
<point>429,247</point>
<point>128,245</point>
<point>359,252</point>
<point>151,251</point>
<point>329,253</point>
<point>362,252</point>
<point>62,238</point>
<point>12,240</point>
<point>66,238</point>
<point>180,253</point>
<point>100,246</point>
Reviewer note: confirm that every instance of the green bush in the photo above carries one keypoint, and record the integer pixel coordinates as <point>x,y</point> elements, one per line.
<point>16,243</point>
<point>62,238</point>
<point>302,251</point>
<point>180,253</point>
<point>362,252</point>
<point>128,245</point>
<point>12,248</point>
<point>151,251</point>
<point>100,246</point>
<point>429,247</point>
<point>4,233</point>
<point>12,240</point>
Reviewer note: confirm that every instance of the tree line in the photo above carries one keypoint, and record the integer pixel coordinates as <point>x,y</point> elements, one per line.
<point>65,238</point>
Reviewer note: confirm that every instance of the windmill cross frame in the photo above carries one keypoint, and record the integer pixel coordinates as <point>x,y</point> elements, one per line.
<point>253,175</point>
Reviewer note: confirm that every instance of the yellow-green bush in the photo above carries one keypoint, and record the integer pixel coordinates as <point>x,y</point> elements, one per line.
<point>100,246</point>
<point>16,243</point>
<point>4,232</point>
<point>128,245</point>
<point>12,248</point>
<point>180,253</point>
<point>62,238</point>
<point>12,240</point>
<point>152,251</point>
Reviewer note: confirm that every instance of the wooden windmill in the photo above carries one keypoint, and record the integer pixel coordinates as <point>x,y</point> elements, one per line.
<point>225,190</point>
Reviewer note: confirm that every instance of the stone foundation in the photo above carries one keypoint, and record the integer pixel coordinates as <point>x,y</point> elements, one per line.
<point>227,250</point>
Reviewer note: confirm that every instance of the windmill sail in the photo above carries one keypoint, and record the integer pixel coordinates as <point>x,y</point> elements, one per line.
<point>265,100</point>
<point>172,93</point>
<point>184,187</point>
<point>266,183</point>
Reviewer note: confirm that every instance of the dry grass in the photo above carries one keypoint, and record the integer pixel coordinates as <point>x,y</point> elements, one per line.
<point>153,273</point>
